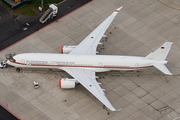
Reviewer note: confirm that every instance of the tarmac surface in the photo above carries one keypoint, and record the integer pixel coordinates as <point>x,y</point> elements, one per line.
<point>14,28</point>
<point>139,28</point>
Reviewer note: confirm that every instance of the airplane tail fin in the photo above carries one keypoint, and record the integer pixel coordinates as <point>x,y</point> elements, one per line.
<point>161,53</point>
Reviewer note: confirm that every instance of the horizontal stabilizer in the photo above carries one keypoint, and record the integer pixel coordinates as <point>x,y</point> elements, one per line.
<point>162,68</point>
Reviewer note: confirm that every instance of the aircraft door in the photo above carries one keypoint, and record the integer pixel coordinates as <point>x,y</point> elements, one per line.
<point>22,62</point>
<point>136,66</point>
<point>100,65</point>
<point>52,63</point>
<point>28,63</point>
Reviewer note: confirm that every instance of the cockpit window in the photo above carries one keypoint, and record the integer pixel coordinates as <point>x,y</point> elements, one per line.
<point>12,59</point>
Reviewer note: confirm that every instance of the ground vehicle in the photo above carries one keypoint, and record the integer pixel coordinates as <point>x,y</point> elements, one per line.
<point>49,14</point>
<point>3,64</point>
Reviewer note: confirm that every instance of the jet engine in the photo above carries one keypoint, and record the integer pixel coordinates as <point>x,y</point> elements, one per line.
<point>67,83</point>
<point>67,49</point>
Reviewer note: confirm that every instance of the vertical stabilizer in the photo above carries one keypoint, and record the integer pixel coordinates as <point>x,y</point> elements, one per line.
<point>161,53</point>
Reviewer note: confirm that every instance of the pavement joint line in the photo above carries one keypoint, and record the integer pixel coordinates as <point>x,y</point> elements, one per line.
<point>112,73</point>
<point>168,6</point>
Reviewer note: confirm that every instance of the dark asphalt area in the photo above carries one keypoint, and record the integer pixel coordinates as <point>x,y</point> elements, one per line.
<point>6,115</point>
<point>11,25</point>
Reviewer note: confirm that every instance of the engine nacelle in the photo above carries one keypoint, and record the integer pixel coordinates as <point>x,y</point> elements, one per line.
<point>67,49</point>
<point>67,83</point>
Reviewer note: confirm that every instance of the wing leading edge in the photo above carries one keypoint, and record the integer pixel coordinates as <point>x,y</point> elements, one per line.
<point>89,45</point>
<point>87,79</point>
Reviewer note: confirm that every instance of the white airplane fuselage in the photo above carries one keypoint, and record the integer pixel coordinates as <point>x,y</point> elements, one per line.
<point>97,63</point>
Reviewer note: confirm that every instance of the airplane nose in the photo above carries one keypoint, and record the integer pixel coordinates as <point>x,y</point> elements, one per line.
<point>8,62</point>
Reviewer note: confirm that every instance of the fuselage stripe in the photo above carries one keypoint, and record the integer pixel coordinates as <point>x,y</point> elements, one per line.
<point>79,66</point>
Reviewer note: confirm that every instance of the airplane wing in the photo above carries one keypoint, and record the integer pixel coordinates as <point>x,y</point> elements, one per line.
<point>89,44</point>
<point>87,79</point>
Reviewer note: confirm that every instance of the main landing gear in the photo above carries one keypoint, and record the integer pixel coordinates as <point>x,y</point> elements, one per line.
<point>18,69</point>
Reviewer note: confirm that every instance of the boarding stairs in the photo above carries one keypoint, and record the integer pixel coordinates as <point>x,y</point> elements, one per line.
<point>47,15</point>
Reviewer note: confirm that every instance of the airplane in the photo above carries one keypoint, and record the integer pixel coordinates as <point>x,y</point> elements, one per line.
<point>82,63</point>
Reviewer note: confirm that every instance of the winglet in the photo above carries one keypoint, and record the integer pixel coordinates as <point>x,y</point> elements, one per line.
<point>113,109</point>
<point>117,10</point>
<point>119,109</point>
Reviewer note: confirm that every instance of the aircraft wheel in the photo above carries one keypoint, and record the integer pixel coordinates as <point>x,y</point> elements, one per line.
<point>18,69</point>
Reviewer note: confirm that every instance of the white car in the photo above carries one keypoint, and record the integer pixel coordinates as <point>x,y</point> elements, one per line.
<point>3,64</point>
<point>36,84</point>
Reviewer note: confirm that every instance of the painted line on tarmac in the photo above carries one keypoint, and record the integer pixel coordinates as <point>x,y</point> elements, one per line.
<point>168,5</point>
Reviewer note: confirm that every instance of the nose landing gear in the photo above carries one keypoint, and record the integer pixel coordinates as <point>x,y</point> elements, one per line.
<point>18,69</point>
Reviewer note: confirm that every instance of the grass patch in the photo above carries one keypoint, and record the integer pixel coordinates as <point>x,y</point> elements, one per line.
<point>45,1</point>
<point>28,10</point>
<point>2,4</point>
<point>31,9</point>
